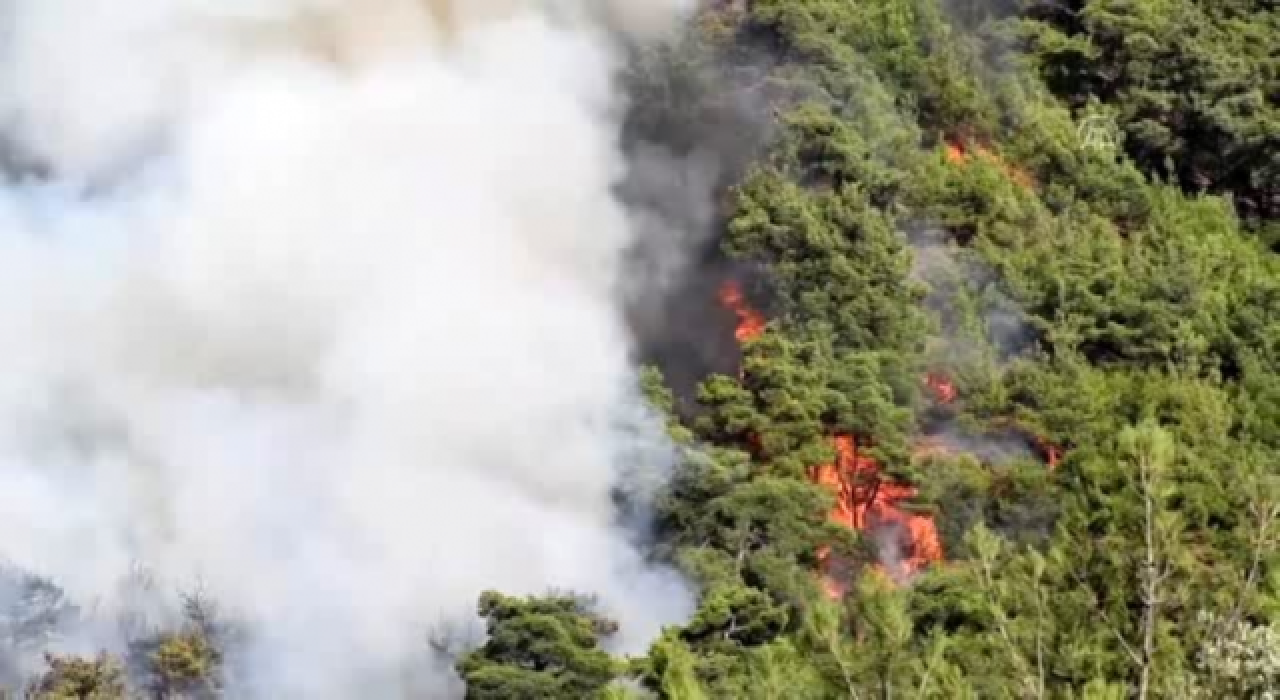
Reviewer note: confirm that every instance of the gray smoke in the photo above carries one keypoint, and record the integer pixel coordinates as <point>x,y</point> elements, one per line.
<point>979,322</point>
<point>317,304</point>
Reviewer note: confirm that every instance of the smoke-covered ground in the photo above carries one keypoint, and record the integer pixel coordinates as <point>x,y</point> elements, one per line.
<point>316,305</point>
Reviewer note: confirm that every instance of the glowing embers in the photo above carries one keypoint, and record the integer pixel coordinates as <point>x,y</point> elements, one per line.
<point>751,323</point>
<point>1052,453</point>
<point>868,502</point>
<point>941,387</point>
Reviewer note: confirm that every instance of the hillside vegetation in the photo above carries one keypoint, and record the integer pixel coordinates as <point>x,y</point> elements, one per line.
<point>1065,212</point>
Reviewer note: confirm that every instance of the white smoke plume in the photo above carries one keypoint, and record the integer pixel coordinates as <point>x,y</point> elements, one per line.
<point>317,303</point>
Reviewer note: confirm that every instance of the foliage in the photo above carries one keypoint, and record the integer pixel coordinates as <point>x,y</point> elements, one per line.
<point>72,678</point>
<point>186,663</point>
<point>1192,83</point>
<point>544,647</point>
<point>1116,305</point>
<point>1243,661</point>
<point>923,188</point>
<point>33,613</point>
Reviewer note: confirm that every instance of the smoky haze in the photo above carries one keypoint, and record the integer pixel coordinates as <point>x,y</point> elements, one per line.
<point>317,304</point>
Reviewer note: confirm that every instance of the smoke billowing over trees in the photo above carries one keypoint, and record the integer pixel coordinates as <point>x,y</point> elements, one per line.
<point>960,325</point>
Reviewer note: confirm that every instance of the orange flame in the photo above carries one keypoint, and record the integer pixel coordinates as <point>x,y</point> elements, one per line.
<point>942,388</point>
<point>959,152</point>
<point>865,501</point>
<point>750,322</point>
<point>1052,453</point>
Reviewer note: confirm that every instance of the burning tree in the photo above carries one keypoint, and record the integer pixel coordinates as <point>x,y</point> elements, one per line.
<point>751,323</point>
<point>1142,303</point>
<point>962,151</point>
<point>866,499</point>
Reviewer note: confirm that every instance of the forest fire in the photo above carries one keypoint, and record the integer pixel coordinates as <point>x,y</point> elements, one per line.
<point>865,501</point>
<point>868,503</point>
<point>942,388</point>
<point>1051,452</point>
<point>751,323</point>
<point>961,151</point>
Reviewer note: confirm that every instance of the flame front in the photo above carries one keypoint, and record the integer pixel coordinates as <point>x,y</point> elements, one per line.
<point>960,152</point>
<point>750,322</point>
<point>865,501</point>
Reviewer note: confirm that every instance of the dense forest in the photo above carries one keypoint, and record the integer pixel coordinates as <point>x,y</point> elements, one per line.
<point>1003,419</point>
